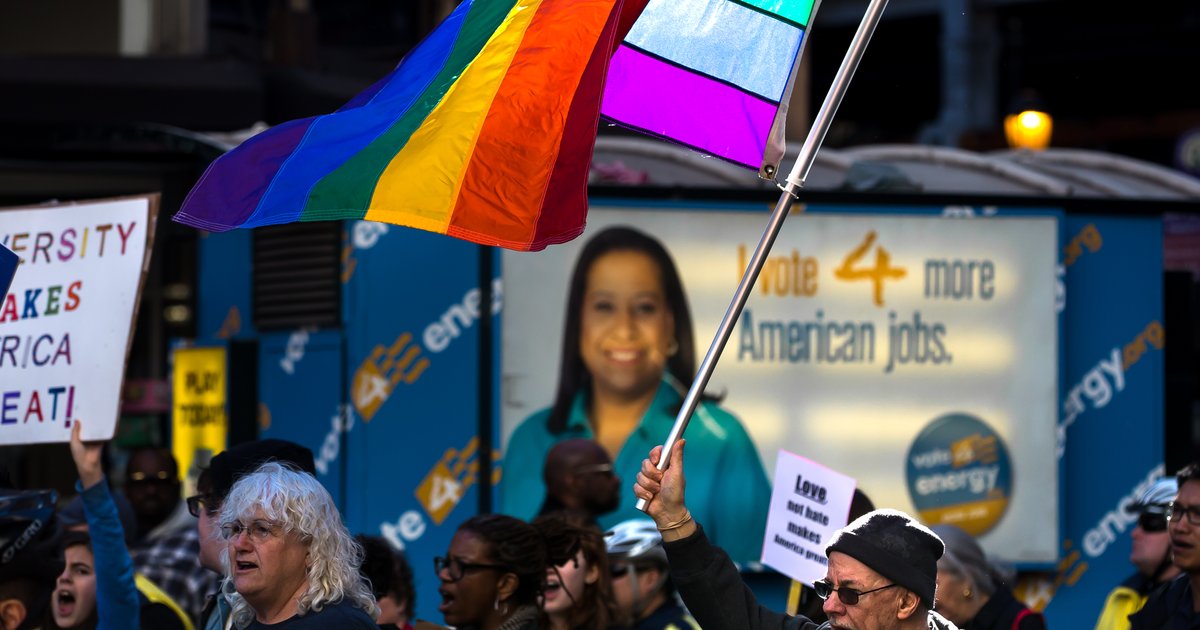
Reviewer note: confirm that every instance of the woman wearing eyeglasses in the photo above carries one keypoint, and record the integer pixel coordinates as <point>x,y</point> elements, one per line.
<point>627,359</point>
<point>972,593</point>
<point>289,559</point>
<point>493,574</point>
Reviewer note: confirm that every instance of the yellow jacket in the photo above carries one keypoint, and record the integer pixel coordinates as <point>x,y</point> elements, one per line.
<point>1122,602</point>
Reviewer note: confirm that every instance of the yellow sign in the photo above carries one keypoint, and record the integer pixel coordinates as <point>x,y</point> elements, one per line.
<point>199,422</point>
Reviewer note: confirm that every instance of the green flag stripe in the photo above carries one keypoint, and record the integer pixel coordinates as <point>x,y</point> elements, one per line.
<point>346,192</point>
<point>797,12</point>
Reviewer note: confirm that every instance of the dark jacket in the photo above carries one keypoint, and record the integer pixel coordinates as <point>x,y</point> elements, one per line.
<point>1001,612</point>
<point>1169,607</point>
<point>714,593</point>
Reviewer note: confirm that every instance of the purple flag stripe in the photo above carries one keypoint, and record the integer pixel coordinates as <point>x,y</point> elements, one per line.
<point>739,136</point>
<point>699,73</point>
<point>232,186</point>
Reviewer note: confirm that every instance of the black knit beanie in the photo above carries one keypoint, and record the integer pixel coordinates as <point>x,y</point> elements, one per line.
<point>895,546</point>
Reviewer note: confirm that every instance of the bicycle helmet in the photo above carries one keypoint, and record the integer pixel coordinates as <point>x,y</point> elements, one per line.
<point>636,540</point>
<point>1156,497</point>
<point>28,534</point>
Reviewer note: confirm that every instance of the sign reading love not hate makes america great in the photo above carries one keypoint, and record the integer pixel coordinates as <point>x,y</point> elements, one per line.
<point>809,503</point>
<point>67,320</point>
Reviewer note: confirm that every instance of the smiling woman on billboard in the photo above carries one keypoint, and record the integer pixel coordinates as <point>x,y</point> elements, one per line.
<point>627,358</point>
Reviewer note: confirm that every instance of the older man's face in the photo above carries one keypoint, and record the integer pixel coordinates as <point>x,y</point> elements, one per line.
<point>874,611</point>
<point>268,566</point>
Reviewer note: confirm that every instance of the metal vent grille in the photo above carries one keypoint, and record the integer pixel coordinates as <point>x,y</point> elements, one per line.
<point>296,275</point>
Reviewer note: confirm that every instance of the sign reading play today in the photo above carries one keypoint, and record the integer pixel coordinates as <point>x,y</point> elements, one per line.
<point>67,320</point>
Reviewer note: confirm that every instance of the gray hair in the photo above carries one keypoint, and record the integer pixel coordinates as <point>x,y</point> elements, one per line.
<point>965,559</point>
<point>300,504</point>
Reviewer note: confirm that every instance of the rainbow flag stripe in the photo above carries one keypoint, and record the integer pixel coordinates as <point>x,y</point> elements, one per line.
<point>714,75</point>
<point>483,132</point>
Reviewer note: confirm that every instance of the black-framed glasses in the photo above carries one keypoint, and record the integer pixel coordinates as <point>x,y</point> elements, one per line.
<point>1152,521</point>
<point>259,530</point>
<point>1176,509</point>
<point>456,570</point>
<point>195,502</point>
<point>849,596</point>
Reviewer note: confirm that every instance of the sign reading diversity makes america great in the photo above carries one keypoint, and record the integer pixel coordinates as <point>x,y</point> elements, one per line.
<point>66,322</point>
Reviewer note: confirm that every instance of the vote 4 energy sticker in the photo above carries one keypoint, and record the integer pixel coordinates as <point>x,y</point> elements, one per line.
<point>959,473</point>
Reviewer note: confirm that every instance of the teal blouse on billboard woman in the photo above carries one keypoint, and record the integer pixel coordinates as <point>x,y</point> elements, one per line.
<point>627,352</point>
<point>727,488</point>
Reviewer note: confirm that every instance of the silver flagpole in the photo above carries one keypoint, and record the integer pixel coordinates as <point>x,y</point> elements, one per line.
<point>795,181</point>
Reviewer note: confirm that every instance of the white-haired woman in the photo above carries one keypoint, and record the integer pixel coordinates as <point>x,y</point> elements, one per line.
<point>288,557</point>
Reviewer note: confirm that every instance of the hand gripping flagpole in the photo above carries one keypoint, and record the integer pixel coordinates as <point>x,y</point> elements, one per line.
<point>795,181</point>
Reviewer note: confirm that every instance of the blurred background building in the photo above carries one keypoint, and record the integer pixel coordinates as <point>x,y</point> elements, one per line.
<point>101,98</point>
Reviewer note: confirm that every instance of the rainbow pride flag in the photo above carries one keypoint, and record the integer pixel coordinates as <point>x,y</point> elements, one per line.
<point>484,132</point>
<point>714,75</point>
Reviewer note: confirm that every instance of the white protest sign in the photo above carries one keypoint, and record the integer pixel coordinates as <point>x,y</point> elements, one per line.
<point>809,503</point>
<point>66,324</point>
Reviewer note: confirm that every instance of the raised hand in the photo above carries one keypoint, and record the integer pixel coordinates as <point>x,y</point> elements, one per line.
<point>663,491</point>
<point>87,457</point>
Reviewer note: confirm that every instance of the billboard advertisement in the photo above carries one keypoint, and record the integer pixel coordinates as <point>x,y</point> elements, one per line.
<point>915,353</point>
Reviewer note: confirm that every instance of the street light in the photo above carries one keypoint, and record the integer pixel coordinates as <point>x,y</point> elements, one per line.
<point>1028,126</point>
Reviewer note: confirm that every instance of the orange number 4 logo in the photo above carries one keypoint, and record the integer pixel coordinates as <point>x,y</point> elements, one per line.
<point>883,269</point>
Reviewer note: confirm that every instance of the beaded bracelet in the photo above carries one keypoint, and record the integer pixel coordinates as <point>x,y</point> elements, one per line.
<point>687,516</point>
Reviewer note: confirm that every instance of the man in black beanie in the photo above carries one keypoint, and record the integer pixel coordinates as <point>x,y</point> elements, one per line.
<point>882,570</point>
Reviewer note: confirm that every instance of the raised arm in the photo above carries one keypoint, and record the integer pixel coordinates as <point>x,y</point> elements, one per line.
<point>116,593</point>
<point>705,577</point>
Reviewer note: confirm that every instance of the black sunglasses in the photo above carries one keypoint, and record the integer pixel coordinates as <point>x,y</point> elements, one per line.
<point>849,596</point>
<point>1152,522</point>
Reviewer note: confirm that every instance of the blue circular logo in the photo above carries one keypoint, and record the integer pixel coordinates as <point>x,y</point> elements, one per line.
<point>959,473</point>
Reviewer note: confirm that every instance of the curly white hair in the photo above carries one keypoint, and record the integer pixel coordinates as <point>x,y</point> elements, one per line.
<point>298,502</point>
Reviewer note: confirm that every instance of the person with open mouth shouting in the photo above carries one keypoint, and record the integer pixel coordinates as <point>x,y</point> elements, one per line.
<point>578,594</point>
<point>493,574</point>
<point>96,588</point>
<point>289,560</point>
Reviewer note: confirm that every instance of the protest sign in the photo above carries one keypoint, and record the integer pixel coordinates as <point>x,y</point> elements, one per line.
<point>67,322</point>
<point>8,269</point>
<point>808,504</point>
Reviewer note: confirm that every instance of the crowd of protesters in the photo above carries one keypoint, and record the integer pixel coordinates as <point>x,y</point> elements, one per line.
<point>262,545</point>
<point>278,555</point>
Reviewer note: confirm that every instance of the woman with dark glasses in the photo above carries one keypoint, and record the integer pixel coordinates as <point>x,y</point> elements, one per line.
<point>1150,554</point>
